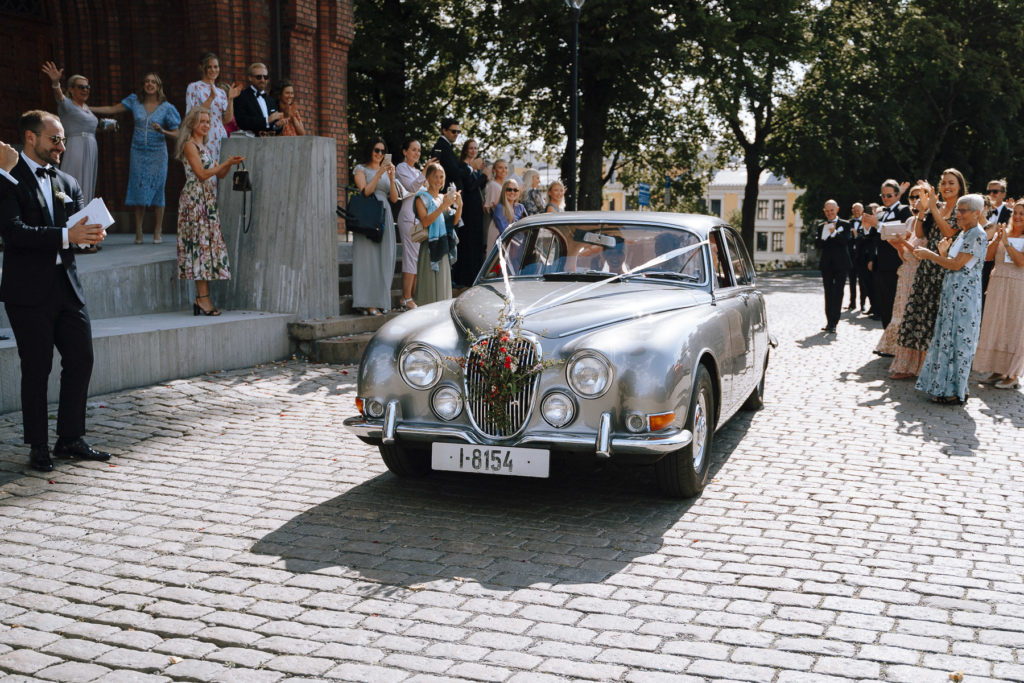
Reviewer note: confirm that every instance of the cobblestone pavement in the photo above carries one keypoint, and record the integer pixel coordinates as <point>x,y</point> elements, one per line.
<point>852,532</point>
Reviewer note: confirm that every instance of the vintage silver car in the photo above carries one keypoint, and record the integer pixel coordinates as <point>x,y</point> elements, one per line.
<point>649,327</point>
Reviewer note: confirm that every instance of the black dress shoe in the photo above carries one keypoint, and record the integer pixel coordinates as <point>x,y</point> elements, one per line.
<point>39,459</point>
<point>78,448</point>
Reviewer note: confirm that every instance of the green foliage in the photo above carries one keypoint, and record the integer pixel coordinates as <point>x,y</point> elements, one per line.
<point>904,90</point>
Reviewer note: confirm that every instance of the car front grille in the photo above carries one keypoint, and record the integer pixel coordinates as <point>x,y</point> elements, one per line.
<point>518,407</point>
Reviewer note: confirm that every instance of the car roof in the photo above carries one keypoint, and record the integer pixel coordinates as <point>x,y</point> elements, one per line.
<point>698,223</point>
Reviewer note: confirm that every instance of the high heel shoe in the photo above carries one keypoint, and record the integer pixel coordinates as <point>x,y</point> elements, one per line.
<point>197,309</point>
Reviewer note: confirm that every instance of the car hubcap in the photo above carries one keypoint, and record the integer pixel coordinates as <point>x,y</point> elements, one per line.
<point>700,431</point>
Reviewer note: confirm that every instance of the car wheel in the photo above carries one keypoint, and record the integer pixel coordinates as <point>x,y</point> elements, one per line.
<point>683,473</point>
<point>404,461</point>
<point>756,399</point>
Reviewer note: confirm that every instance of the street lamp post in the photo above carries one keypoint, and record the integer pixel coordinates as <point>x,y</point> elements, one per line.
<point>570,189</point>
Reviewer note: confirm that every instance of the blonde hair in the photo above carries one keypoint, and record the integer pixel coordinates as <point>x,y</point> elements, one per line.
<point>185,131</point>
<point>72,81</point>
<point>561,204</point>
<point>509,207</point>
<point>160,97</point>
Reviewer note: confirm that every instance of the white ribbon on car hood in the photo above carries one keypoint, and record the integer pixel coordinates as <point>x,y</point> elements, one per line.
<point>559,297</point>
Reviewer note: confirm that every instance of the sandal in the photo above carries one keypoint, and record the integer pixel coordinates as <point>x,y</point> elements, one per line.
<point>947,400</point>
<point>407,304</point>
<point>197,309</point>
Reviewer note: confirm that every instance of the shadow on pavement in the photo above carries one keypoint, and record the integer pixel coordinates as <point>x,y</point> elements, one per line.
<point>952,426</point>
<point>581,526</point>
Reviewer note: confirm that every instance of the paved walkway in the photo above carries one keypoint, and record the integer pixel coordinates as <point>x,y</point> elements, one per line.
<point>852,532</point>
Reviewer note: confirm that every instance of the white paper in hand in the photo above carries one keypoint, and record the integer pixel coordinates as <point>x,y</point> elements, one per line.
<point>96,213</point>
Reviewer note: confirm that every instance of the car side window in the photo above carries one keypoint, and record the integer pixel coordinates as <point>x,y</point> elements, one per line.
<point>738,257</point>
<point>720,260</point>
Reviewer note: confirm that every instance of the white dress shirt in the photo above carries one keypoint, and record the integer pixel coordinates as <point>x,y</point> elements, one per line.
<point>47,188</point>
<point>262,101</point>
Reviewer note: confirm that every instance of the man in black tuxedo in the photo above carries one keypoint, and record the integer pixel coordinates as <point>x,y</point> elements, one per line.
<point>886,260</point>
<point>255,110</point>
<point>445,154</point>
<point>41,291</point>
<point>860,236</point>
<point>833,242</point>
<point>998,213</point>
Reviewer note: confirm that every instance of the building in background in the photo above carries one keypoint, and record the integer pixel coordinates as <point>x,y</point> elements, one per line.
<point>114,43</point>
<point>777,225</point>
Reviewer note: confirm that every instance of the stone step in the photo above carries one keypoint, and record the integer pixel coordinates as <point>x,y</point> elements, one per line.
<point>135,351</point>
<point>344,350</point>
<point>127,279</point>
<point>310,330</point>
<point>345,302</point>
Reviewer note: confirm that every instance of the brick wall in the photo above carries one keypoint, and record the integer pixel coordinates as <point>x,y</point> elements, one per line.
<point>115,43</point>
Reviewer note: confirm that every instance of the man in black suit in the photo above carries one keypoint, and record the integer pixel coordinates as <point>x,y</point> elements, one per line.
<point>255,110</point>
<point>860,237</point>
<point>998,213</point>
<point>445,154</point>
<point>833,242</point>
<point>886,260</point>
<point>41,291</point>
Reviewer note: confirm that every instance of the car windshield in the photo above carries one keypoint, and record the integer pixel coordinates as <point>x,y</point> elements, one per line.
<point>596,251</point>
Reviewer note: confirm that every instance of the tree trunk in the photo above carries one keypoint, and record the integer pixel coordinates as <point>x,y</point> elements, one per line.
<point>595,127</point>
<point>753,164</point>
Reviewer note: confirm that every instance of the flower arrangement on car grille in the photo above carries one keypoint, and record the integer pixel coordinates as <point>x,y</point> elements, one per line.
<point>499,370</point>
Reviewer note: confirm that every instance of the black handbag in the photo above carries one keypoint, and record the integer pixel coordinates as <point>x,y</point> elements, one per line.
<point>364,215</point>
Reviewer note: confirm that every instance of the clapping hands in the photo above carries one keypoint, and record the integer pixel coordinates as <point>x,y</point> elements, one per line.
<point>8,157</point>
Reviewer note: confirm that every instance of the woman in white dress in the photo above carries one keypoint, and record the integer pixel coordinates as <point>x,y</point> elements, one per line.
<point>207,94</point>
<point>412,181</point>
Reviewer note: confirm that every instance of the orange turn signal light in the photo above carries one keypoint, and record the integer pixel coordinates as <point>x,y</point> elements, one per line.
<point>359,405</point>
<point>660,421</point>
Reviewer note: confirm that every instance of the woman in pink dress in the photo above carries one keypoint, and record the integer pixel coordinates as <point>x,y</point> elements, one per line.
<point>905,248</point>
<point>205,93</point>
<point>1001,344</point>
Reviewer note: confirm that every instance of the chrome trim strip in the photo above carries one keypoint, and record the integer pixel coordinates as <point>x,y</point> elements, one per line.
<point>604,435</point>
<point>390,420</point>
<point>659,443</point>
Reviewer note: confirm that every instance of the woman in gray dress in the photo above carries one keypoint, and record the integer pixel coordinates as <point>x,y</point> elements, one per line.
<point>373,263</point>
<point>80,157</point>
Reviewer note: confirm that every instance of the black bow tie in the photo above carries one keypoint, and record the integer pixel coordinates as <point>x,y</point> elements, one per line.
<point>46,171</point>
<point>261,93</point>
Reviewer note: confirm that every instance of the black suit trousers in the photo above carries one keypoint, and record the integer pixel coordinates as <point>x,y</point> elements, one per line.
<point>867,288</point>
<point>834,280</point>
<point>62,322</point>
<point>884,294</point>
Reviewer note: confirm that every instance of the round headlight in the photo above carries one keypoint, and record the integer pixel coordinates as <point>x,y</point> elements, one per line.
<point>589,375</point>
<point>447,403</point>
<point>420,366</point>
<point>558,409</point>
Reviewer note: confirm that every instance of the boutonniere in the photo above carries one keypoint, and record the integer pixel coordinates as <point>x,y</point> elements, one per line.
<point>61,196</point>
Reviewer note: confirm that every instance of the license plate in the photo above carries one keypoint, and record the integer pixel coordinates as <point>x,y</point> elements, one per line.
<point>517,462</point>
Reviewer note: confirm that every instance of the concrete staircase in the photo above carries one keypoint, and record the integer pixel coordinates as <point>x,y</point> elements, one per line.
<point>143,328</point>
<point>343,339</point>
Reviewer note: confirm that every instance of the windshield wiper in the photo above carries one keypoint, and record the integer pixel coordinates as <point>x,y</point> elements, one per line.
<point>579,275</point>
<point>668,275</point>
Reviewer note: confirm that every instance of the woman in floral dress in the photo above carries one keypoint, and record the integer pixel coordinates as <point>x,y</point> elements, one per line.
<point>1001,344</point>
<point>202,255</point>
<point>938,221</point>
<point>207,94</point>
<point>947,365</point>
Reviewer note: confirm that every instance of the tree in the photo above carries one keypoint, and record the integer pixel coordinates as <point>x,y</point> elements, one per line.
<point>631,64</point>
<point>904,90</point>
<point>411,64</point>
<point>744,56</point>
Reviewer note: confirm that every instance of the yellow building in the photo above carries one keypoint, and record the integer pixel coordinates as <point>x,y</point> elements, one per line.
<point>777,225</point>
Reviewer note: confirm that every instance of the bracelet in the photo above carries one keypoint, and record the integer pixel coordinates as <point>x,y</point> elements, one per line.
<point>55,86</point>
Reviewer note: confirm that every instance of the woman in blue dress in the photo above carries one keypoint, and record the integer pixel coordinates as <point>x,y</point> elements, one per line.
<point>947,366</point>
<point>155,121</point>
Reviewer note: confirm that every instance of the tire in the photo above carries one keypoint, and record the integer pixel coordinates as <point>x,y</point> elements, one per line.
<point>404,461</point>
<point>684,473</point>
<point>756,399</point>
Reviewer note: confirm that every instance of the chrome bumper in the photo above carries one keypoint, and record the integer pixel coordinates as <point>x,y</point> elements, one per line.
<point>604,444</point>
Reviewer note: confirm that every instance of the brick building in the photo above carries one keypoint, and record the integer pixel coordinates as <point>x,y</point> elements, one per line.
<point>115,42</point>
